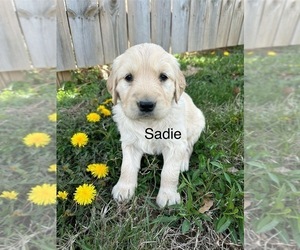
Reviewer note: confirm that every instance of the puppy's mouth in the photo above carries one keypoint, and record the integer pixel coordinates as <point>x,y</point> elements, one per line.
<point>145,110</point>
<point>146,114</point>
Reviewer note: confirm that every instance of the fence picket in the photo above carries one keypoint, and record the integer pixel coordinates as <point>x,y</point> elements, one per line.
<point>269,22</point>
<point>180,25</point>
<point>289,18</point>
<point>225,21</point>
<point>38,22</point>
<point>84,25</point>
<point>113,28</point>
<point>65,54</point>
<point>96,31</point>
<point>161,23</point>
<point>236,32</point>
<point>253,14</point>
<point>241,36</point>
<point>138,21</point>
<point>13,52</point>
<point>296,35</point>
<point>213,9</point>
<point>197,25</point>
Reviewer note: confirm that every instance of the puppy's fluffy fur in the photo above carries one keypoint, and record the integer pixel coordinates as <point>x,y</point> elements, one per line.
<point>147,87</point>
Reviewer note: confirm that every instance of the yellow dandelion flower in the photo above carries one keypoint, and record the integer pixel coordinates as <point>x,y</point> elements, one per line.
<point>85,194</point>
<point>250,53</point>
<point>98,170</point>
<point>79,139</point>
<point>52,168</point>
<point>62,195</point>
<point>213,52</point>
<point>52,117</point>
<point>93,117</point>
<point>101,107</point>
<point>11,195</point>
<point>37,140</point>
<point>226,53</point>
<point>272,53</point>
<point>107,101</point>
<point>103,110</point>
<point>43,194</point>
<point>106,112</point>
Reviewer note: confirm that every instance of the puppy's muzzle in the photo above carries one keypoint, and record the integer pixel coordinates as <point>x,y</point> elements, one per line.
<point>146,106</point>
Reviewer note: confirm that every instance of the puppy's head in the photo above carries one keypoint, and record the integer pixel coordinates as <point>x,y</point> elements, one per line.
<point>147,81</point>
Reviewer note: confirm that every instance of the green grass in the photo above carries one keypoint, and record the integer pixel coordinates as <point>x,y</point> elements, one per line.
<point>272,176</point>
<point>216,168</point>
<point>25,107</point>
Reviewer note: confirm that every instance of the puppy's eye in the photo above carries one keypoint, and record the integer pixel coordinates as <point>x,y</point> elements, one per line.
<point>129,77</point>
<point>163,77</point>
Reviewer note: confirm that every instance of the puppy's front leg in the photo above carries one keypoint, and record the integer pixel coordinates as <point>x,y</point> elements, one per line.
<point>127,183</point>
<point>168,194</point>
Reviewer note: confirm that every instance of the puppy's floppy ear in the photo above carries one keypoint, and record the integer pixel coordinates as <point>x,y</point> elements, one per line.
<point>180,84</point>
<point>111,85</point>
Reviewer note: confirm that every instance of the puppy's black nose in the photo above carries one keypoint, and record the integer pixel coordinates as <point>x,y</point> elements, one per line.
<point>146,106</point>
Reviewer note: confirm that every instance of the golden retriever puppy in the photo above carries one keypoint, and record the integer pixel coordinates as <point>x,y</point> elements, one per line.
<point>154,116</point>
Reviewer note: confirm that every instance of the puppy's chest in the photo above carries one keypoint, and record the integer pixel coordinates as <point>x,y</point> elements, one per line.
<point>151,146</point>
<point>153,139</point>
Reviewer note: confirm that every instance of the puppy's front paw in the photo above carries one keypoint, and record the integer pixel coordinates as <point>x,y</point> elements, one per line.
<point>167,197</point>
<point>123,191</point>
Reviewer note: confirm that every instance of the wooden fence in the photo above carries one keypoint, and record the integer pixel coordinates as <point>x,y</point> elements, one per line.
<point>100,32</point>
<point>69,34</point>
<point>92,32</point>
<point>27,34</point>
<point>271,23</point>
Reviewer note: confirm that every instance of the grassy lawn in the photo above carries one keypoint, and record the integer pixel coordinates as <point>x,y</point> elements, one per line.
<point>272,176</point>
<point>24,109</point>
<point>211,213</point>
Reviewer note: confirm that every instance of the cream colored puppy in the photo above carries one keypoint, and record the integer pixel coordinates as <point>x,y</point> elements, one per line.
<point>154,116</point>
